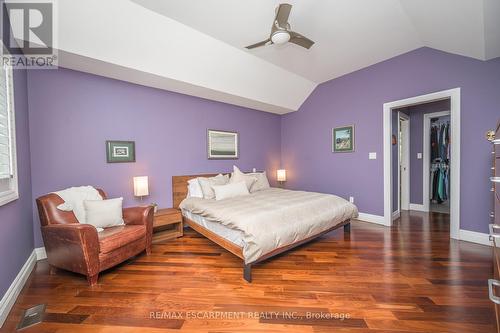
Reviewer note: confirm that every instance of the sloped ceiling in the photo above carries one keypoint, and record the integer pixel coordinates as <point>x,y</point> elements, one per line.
<point>196,47</point>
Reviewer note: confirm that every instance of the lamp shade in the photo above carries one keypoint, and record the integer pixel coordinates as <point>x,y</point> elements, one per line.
<point>281,175</point>
<point>141,186</point>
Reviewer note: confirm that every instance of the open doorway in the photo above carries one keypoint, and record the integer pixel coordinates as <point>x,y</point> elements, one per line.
<point>419,185</point>
<point>427,153</point>
<point>437,162</point>
<point>401,165</point>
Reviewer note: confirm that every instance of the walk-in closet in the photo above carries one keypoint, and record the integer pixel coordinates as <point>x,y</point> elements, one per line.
<point>440,151</point>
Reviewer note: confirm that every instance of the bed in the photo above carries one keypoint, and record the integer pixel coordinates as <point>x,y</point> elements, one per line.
<point>263,224</point>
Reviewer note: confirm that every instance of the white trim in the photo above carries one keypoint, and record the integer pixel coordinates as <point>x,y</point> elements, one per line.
<point>454,96</point>
<point>396,215</point>
<point>419,207</point>
<point>10,195</point>
<point>398,184</point>
<point>377,219</point>
<point>15,288</point>
<point>387,151</point>
<point>40,253</point>
<point>13,193</point>
<point>475,237</point>
<point>426,151</point>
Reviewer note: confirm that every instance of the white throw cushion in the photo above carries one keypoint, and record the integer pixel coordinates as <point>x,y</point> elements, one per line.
<point>230,190</point>
<point>194,189</point>
<point>261,183</point>
<point>73,200</point>
<point>207,183</point>
<point>104,213</point>
<point>238,176</point>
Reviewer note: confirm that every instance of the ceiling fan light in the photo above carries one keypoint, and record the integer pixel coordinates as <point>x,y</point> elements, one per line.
<point>280,37</point>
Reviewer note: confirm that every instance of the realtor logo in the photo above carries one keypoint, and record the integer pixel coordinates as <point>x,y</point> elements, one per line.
<point>28,32</point>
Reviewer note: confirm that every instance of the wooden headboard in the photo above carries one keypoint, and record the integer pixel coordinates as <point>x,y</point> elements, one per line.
<point>180,187</point>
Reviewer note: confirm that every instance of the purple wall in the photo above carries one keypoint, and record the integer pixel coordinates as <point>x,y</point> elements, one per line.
<point>416,114</point>
<point>16,227</point>
<point>358,98</point>
<point>72,114</point>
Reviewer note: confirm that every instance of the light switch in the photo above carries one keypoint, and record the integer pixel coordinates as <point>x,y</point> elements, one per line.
<point>372,156</point>
<point>254,170</point>
<point>419,156</point>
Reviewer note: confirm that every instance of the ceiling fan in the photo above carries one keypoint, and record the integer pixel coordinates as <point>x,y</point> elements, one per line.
<point>280,31</point>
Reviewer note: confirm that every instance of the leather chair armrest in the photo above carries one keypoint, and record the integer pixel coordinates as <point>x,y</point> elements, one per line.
<point>138,215</point>
<point>141,216</point>
<point>73,246</point>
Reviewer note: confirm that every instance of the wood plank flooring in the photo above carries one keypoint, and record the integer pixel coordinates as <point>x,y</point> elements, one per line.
<point>408,278</point>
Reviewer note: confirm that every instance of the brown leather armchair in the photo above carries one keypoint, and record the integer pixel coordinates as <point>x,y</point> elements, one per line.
<point>81,249</point>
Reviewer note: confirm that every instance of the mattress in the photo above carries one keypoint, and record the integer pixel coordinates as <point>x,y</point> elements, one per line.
<point>232,235</point>
<point>274,218</point>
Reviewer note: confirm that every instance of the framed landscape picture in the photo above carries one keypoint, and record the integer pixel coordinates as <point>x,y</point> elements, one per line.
<point>120,151</point>
<point>343,139</point>
<point>222,144</point>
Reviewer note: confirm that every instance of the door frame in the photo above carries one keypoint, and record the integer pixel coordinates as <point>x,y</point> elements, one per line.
<point>406,151</point>
<point>427,153</point>
<point>454,96</point>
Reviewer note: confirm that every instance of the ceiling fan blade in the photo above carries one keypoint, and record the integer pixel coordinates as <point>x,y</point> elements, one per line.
<point>282,15</point>
<point>300,40</point>
<point>264,42</point>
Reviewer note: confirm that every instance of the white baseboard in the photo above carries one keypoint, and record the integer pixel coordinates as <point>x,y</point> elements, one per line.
<point>396,215</point>
<point>377,219</point>
<point>474,237</point>
<point>40,253</point>
<point>418,207</point>
<point>15,288</point>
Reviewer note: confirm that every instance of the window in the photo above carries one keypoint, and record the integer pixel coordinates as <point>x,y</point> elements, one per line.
<point>8,163</point>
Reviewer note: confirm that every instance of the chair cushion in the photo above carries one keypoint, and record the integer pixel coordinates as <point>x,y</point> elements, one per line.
<point>115,237</point>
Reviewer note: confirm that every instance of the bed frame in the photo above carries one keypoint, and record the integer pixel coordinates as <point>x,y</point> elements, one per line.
<point>179,193</point>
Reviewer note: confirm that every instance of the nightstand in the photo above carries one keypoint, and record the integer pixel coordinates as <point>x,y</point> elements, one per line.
<point>167,224</point>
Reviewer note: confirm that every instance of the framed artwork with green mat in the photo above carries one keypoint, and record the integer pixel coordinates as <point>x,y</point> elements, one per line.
<point>343,139</point>
<point>120,151</point>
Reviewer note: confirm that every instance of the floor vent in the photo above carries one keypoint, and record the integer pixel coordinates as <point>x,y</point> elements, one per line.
<point>32,316</point>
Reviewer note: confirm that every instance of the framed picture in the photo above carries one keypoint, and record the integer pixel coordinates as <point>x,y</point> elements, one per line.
<point>120,151</point>
<point>343,139</point>
<point>222,144</point>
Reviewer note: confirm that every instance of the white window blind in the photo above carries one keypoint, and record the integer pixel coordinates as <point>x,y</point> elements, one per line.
<point>6,169</point>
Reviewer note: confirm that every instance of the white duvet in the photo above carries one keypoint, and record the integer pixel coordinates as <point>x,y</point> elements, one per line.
<point>273,218</point>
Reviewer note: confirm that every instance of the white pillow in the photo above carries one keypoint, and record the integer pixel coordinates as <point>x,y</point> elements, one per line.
<point>262,182</point>
<point>104,213</point>
<point>194,189</point>
<point>207,183</point>
<point>238,176</point>
<point>230,190</point>
<point>73,198</point>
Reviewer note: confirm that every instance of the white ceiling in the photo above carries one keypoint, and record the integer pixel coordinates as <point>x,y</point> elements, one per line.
<point>197,46</point>
<point>349,34</point>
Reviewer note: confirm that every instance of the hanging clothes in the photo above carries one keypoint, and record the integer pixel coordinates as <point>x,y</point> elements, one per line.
<point>440,158</point>
<point>440,141</point>
<point>439,182</point>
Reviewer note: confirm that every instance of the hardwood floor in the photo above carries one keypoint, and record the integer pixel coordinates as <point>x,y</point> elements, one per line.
<point>409,278</point>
